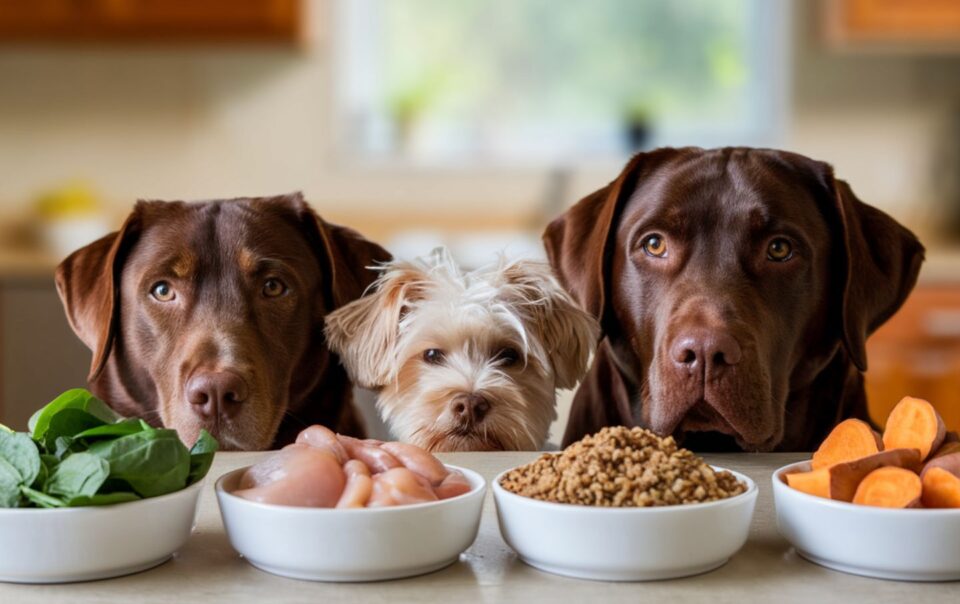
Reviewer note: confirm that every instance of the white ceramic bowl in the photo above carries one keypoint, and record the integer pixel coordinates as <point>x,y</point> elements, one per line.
<point>910,545</point>
<point>81,544</point>
<point>625,544</point>
<point>323,544</point>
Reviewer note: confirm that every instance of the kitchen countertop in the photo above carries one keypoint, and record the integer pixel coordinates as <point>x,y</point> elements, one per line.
<point>765,570</point>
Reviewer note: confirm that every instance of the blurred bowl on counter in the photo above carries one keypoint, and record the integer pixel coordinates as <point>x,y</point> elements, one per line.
<point>70,217</point>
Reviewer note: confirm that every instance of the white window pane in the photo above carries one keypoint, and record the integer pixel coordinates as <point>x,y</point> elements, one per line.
<point>438,81</point>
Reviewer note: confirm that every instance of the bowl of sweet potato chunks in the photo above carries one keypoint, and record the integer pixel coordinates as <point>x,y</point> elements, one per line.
<point>881,505</point>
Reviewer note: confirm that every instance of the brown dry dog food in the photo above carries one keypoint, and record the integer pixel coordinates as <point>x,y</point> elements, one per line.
<point>622,467</point>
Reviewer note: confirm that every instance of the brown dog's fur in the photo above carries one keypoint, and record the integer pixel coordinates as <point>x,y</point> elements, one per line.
<point>780,346</point>
<point>216,257</point>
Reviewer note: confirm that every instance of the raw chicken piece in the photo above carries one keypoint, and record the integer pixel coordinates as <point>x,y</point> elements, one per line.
<point>399,486</point>
<point>359,485</point>
<point>454,484</point>
<point>297,475</point>
<point>323,438</point>
<point>418,460</point>
<point>377,459</point>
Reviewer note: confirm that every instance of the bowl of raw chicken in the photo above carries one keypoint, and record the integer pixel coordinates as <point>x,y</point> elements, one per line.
<point>335,508</point>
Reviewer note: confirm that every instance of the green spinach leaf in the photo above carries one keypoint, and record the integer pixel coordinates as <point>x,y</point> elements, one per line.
<point>153,462</point>
<point>201,456</point>
<point>19,450</point>
<point>78,474</point>
<point>9,485</point>
<point>121,428</point>
<point>67,423</point>
<point>47,464</point>
<point>61,447</point>
<point>42,499</point>
<point>102,499</point>
<point>77,398</point>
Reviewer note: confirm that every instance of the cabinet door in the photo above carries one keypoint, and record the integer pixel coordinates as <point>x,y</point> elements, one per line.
<point>201,18</point>
<point>892,21</point>
<point>40,357</point>
<point>146,20</point>
<point>917,353</point>
<point>27,18</point>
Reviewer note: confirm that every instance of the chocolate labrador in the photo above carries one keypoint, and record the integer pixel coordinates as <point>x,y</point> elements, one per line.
<point>211,315</point>
<point>736,289</point>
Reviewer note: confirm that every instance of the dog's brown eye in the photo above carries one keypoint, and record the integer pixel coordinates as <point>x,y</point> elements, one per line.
<point>779,250</point>
<point>162,291</point>
<point>655,245</point>
<point>273,288</point>
<point>507,357</point>
<point>434,356</point>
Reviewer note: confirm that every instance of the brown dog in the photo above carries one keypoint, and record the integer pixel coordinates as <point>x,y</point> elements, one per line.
<point>211,315</point>
<point>736,289</point>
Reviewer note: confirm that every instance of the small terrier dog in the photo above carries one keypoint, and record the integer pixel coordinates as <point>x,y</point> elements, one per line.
<point>465,361</point>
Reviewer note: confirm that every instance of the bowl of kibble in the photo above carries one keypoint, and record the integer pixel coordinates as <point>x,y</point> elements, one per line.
<point>624,505</point>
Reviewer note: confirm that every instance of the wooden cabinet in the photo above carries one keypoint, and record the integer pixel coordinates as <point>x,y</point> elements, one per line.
<point>918,353</point>
<point>39,355</point>
<point>150,20</point>
<point>893,22</point>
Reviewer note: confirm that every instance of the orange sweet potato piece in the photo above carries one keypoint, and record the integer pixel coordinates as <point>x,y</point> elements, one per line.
<point>914,424</point>
<point>845,478</point>
<point>850,439</point>
<point>815,482</point>
<point>949,461</point>
<point>840,481</point>
<point>941,488</point>
<point>946,449</point>
<point>889,487</point>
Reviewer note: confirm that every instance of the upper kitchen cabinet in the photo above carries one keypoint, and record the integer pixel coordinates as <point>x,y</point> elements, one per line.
<point>894,24</point>
<point>278,21</point>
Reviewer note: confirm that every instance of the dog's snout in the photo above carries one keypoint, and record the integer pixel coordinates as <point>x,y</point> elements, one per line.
<point>470,409</point>
<point>709,349</point>
<point>212,393</point>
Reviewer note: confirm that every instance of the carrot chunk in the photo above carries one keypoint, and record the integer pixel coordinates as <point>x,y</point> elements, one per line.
<point>914,424</point>
<point>889,487</point>
<point>850,439</point>
<point>941,489</point>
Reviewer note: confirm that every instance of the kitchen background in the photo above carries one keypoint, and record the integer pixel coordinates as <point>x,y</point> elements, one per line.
<point>468,123</point>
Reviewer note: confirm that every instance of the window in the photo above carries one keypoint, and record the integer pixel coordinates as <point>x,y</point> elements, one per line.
<point>539,81</point>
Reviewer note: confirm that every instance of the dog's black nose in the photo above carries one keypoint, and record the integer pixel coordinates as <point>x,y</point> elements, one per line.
<point>706,348</point>
<point>470,409</point>
<point>212,393</point>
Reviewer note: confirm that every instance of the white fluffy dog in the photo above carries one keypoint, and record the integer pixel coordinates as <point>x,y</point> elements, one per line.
<point>465,361</point>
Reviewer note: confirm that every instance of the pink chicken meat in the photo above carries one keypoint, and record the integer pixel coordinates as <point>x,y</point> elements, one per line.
<point>324,469</point>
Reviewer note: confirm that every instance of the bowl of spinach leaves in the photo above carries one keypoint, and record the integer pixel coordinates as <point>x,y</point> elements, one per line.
<point>88,494</point>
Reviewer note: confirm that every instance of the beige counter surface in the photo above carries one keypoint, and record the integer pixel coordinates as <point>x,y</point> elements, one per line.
<point>765,570</point>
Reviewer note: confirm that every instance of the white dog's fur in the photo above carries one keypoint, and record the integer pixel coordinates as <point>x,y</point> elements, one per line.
<point>508,334</point>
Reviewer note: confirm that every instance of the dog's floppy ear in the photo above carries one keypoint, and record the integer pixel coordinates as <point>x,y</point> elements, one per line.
<point>569,334</point>
<point>578,242</point>
<point>365,332</point>
<point>347,257</point>
<point>351,257</point>
<point>882,262</point>
<point>88,282</point>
